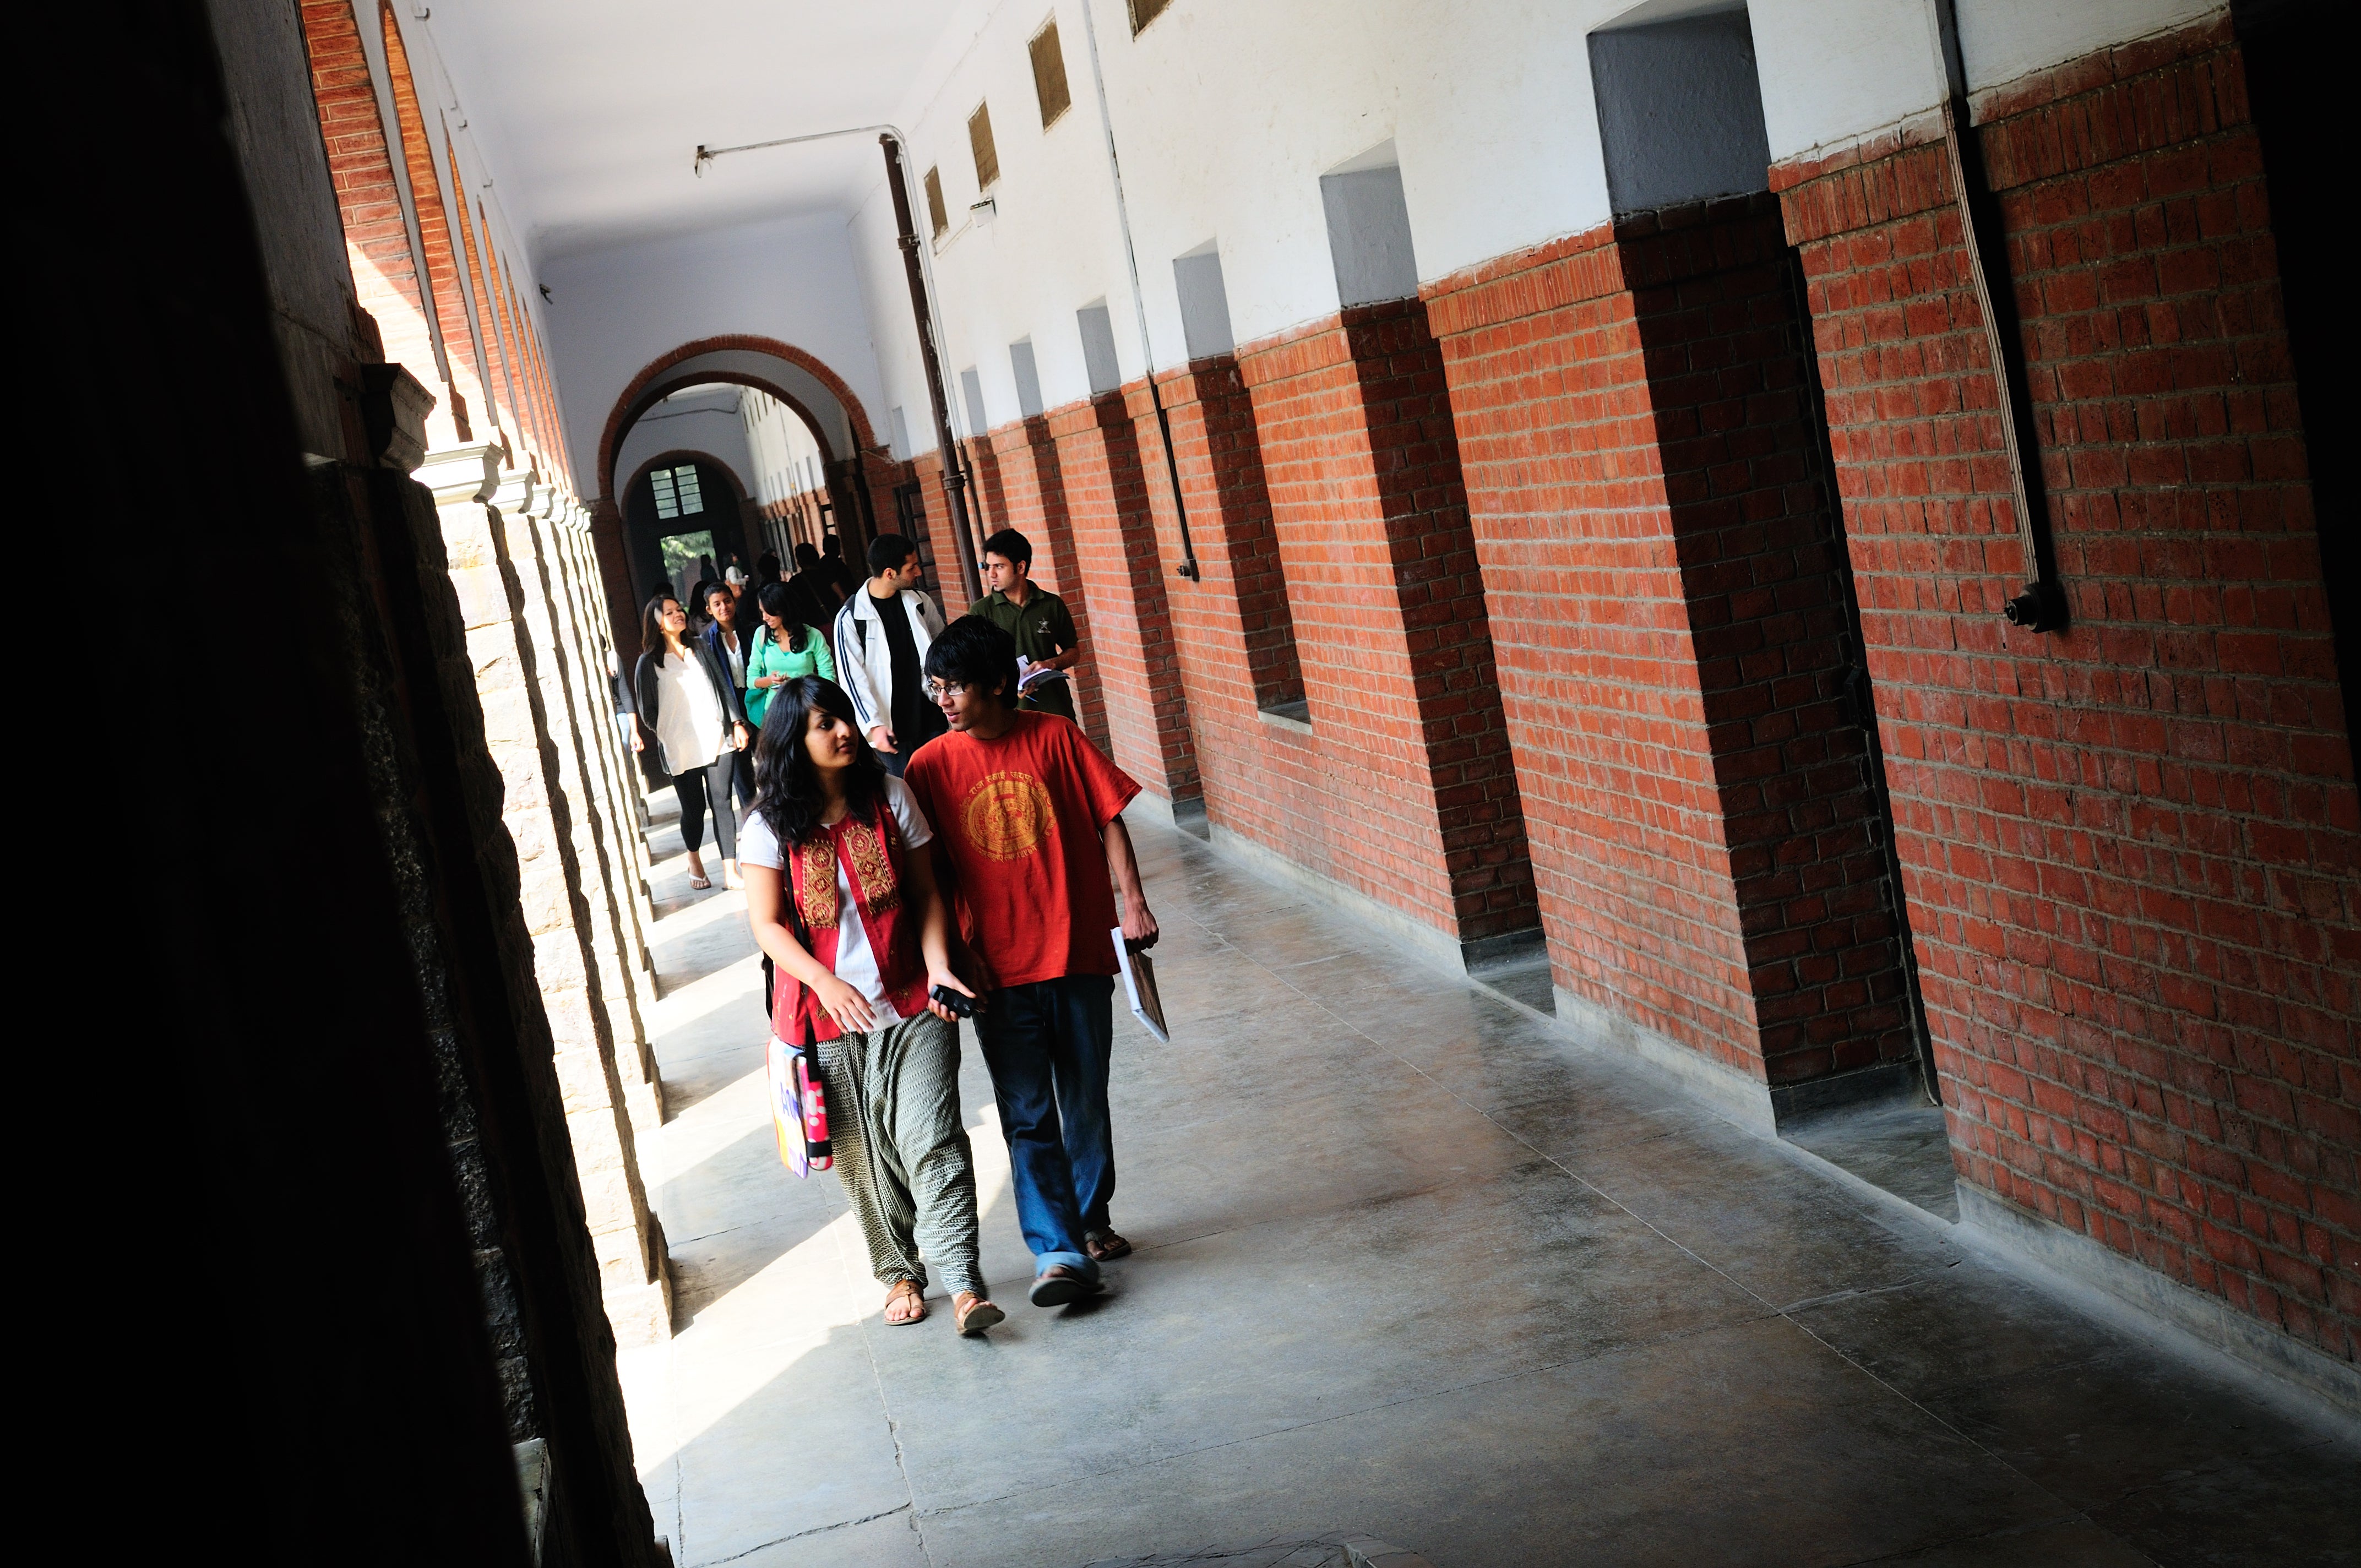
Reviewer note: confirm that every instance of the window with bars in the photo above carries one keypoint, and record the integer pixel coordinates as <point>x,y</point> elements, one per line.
<point>979,141</point>
<point>1145,11</point>
<point>935,213</point>
<point>677,490</point>
<point>1050,74</point>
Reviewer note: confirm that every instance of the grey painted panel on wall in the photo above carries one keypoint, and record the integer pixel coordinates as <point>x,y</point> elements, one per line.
<point>1028,378</point>
<point>1369,236</point>
<point>1680,111</point>
<point>971,389</point>
<point>1098,348</point>
<point>898,432</point>
<point>1204,304</point>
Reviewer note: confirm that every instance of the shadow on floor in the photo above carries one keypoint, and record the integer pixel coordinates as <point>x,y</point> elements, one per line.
<point>1902,1148</point>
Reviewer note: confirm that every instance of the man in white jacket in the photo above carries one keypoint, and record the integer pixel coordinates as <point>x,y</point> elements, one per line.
<point>883,633</point>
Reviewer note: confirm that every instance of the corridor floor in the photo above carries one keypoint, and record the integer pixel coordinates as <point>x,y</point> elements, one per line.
<point>1409,1266</point>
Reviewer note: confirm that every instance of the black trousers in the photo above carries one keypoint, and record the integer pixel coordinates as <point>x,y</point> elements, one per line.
<point>745,775</point>
<point>709,784</point>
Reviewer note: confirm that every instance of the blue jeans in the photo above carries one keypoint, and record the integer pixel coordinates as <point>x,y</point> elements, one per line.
<point>1048,1045</point>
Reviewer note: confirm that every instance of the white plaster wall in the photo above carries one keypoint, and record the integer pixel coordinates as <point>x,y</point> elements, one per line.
<point>1834,71</point>
<point>698,419</point>
<point>784,456</point>
<point>1226,117</point>
<point>450,133</point>
<point>1227,114</point>
<point>614,312</point>
<point>2001,41</point>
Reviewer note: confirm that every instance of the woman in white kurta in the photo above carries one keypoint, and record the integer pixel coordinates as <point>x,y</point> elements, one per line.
<point>688,706</point>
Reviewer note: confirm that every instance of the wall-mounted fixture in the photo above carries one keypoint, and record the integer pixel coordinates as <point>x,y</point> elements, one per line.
<point>981,212</point>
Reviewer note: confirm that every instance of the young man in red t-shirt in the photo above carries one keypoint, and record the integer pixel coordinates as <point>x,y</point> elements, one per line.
<point>1028,827</point>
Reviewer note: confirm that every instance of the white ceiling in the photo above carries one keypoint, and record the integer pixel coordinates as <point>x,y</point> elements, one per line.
<point>591,112</point>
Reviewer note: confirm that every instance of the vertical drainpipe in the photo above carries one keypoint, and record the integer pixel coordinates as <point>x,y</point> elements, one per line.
<point>2040,604</point>
<point>1188,567</point>
<point>954,476</point>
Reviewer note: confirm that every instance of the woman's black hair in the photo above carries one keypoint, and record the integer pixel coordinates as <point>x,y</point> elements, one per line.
<point>807,557</point>
<point>652,635</point>
<point>786,785</point>
<point>972,651</point>
<point>787,603</point>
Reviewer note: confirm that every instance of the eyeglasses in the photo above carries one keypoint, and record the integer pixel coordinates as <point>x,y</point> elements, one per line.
<point>939,690</point>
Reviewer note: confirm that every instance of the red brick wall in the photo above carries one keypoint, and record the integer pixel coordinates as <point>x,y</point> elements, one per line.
<point>1233,631</point>
<point>1033,501</point>
<point>2130,851</point>
<point>446,293</point>
<point>1668,604</point>
<point>1419,807</point>
<point>1116,560</point>
<point>369,199</point>
<point>943,575</point>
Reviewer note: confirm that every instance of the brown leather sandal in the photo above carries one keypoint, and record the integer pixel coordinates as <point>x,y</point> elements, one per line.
<point>911,1301</point>
<point>973,1314</point>
<point>1105,1246</point>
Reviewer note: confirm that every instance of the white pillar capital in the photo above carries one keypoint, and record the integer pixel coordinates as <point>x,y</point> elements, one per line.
<point>544,504</point>
<point>457,474</point>
<point>515,490</point>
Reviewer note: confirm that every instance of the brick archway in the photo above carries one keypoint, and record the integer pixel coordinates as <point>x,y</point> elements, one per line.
<point>647,386</point>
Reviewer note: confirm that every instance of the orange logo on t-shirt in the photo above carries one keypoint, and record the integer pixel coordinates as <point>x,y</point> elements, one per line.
<point>1007,815</point>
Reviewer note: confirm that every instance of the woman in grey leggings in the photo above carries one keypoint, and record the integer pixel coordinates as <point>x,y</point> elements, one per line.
<point>840,892</point>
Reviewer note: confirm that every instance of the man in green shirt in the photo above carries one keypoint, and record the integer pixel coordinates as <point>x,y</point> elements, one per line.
<point>1037,618</point>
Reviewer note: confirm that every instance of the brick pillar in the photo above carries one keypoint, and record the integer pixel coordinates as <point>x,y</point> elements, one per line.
<point>942,538</point>
<point>987,500</point>
<point>1232,635</point>
<point>506,653</point>
<point>615,576</point>
<point>1033,485</point>
<point>1418,809</point>
<point>1674,640</point>
<point>2129,848</point>
<point>1122,573</point>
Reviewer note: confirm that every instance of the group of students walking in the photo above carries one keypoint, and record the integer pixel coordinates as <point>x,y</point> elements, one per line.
<point>925,840</point>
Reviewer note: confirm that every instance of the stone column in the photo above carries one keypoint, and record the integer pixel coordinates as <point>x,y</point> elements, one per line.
<point>582,569</point>
<point>564,676</point>
<point>506,650</point>
<point>622,769</point>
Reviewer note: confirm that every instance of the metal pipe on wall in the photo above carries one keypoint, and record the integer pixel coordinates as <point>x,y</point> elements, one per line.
<point>954,476</point>
<point>2040,605</point>
<point>1188,567</point>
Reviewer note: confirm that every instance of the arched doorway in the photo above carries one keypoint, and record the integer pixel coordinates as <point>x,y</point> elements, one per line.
<point>856,470</point>
<point>684,521</point>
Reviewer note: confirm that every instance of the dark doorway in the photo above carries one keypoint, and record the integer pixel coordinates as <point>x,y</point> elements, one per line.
<point>680,523</point>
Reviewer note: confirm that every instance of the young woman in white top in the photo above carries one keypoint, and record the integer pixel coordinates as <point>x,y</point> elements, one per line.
<point>841,895</point>
<point>688,705</point>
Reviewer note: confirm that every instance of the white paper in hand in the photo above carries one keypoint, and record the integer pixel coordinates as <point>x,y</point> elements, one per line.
<point>1139,985</point>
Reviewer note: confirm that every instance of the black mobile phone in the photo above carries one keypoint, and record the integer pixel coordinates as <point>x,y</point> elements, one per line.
<point>961,1005</point>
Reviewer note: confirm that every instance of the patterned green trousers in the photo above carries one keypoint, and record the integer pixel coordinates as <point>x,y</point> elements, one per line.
<point>902,1151</point>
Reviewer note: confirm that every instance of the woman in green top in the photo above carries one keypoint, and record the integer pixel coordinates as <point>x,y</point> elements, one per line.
<point>783,649</point>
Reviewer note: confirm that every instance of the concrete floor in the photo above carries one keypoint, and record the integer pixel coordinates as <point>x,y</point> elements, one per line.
<point>1413,1268</point>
